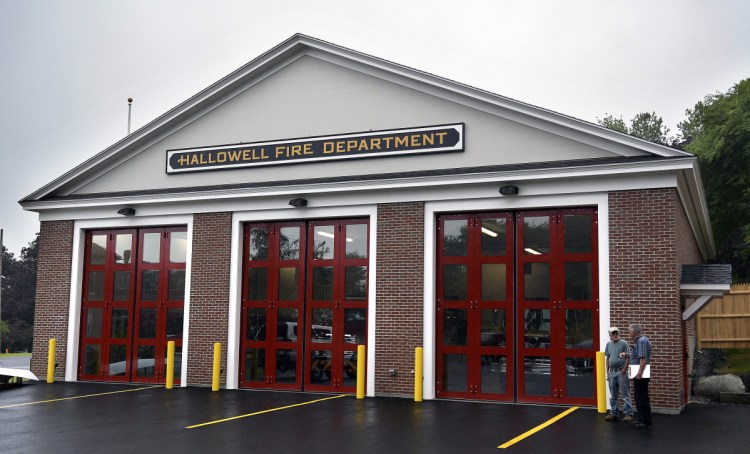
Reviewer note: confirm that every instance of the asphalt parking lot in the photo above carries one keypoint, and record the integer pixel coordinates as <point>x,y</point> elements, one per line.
<point>88,417</point>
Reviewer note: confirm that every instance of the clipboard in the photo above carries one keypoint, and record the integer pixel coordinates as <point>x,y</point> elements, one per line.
<point>633,371</point>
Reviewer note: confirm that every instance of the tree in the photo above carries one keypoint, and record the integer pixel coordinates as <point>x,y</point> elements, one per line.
<point>645,125</point>
<point>19,291</point>
<point>717,130</point>
<point>615,124</point>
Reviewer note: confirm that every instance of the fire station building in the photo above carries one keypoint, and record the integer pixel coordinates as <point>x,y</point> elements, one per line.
<point>319,198</point>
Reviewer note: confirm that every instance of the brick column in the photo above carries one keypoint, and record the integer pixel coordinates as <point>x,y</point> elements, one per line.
<point>52,295</point>
<point>645,283</point>
<point>209,294</point>
<point>399,295</point>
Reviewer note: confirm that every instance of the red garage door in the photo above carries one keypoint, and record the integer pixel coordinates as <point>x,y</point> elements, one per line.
<point>517,305</point>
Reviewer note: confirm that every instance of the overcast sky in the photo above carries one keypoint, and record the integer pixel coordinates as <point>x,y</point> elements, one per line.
<point>69,66</point>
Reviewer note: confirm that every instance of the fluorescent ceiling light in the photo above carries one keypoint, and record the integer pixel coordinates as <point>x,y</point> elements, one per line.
<point>532,251</point>
<point>489,232</point>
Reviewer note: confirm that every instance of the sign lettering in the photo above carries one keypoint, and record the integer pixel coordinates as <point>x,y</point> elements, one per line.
<point>419,140</point>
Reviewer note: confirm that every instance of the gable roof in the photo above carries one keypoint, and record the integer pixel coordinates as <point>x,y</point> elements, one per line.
<point>300,45</point>
<point>630,154</point>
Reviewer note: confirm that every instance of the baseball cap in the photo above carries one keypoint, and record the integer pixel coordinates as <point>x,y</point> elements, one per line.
<point>612,329</point>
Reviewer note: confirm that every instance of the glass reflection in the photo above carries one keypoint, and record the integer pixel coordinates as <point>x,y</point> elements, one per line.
<point>92,359</point>
<point>536,328</point>
<point>493,237</point>
<point>117,360</point>
<point>454,373</point>
<point>258,284</point>
<point>322,283</point>
<point>455,237</point>
<point>350,368</point>
<point>578,281</point>
<point>454,326</point>
<point>177,247</point>
<point>323,247</point>
<point>493,374</point>
<point>255,364</point>
<point>455,282</point>
<point>121,286</point>
<point>176,284</point>
<point>355,283</point>
<point>119,323</point>
<point>150,285</point>
<point>536,235</point>
<point>151,248</point>
<point>256,324</point>
<point>177,361</point>
<point>579,378</point>
<point>286,324</point>
<point>322,325</point>
<point>320,367</point>
<point>536,281</point>
<point>94,322</point>
<point>537,376</point>
<point>579,328</point>
<point>355,326</point>
<point>98,254</point>
<point>356,241</point>
<point>146,361</point>
<point>578,233</point>
<point>259,243</point>
<point>493,282</point>
<point>493,328</point>
<point>123,248</point>
<point>286,366</point>
<point>288,284</point>
<point>289,243</point>
<point>174,322</point>
<point>147,323</point>
<point>96,285</point>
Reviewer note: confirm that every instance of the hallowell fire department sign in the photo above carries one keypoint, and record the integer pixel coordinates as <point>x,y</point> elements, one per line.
<point>418,140</point>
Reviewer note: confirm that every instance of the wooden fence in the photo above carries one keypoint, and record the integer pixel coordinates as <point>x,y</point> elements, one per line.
<point>725,322</point>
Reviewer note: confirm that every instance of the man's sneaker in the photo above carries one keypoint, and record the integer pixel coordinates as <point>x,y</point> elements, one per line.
<point>627,418</point>
<point>642,426</point>
<point>610,417</point>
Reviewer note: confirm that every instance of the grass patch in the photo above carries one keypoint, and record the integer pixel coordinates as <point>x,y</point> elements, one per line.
<point>12,355</point>
<point>737,363</point>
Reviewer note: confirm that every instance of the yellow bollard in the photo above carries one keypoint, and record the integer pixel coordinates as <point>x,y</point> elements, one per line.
<point>418,379</point>
<point>361,361</point>
<point>601,383</point>
<point>170,364</point>
<point>51,360</point>
<point>217,367</point>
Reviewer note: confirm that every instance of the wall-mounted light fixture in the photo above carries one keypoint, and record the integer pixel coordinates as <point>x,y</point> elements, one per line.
<point>509,190</point>
<point>297,203</point>
<point>126,211</point>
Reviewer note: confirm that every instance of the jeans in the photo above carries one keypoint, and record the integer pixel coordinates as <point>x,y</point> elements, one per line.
<point>619,384</point>
<point>642,401</point>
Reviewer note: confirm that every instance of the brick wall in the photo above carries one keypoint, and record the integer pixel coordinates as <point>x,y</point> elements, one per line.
<point>644,283</point>
<point>52,295</point>
<point>399,295</point>
<point>209,294</point>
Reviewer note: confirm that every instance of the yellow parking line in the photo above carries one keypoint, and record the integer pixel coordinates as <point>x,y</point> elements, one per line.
<point>537,428</point>
<point>79,397</point>
<point>264,411</point>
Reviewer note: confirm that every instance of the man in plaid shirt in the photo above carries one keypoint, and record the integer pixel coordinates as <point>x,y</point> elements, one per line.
<point>640,356</point>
